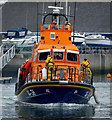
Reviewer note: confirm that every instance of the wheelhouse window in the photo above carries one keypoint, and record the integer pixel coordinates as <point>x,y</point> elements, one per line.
<point>11,33</point>
<point>58,55</point>
<point>52,35</point>
<point>43,56</point>
<point>22,33</point>
<point>72,56</point>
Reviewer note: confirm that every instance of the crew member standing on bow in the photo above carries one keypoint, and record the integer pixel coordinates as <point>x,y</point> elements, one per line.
<point>50,66</point>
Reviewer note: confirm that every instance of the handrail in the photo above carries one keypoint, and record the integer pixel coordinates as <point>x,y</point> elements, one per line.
<point>5,58</point>
<point>54,15</point>
<point>58,27</point>
<point>57,73</point>
<point>1,50</point>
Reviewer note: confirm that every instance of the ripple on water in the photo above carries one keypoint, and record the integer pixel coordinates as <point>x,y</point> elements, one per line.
<point>13,109</point>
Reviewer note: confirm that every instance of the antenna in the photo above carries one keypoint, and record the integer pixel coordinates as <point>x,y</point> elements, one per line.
<point>56,9</point>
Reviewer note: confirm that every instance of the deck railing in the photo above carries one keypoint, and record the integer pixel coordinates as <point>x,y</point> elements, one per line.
<point>54,73</point>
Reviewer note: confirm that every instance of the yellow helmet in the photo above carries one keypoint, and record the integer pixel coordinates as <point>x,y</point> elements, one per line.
<point>69,24</point>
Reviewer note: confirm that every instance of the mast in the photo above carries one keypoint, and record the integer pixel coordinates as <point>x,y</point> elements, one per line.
<point>74,21</point>
<point>66,7</point>
<point>37,22</point>
<point>56,10</point>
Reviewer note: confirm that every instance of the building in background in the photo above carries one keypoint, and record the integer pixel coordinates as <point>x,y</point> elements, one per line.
<point>84,16</point>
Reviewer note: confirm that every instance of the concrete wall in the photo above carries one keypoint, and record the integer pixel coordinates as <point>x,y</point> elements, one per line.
<point>95,63</point>
<point>0,24</point>
<point>99,62</point>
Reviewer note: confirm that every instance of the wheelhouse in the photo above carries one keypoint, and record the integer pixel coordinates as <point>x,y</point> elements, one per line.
<point>58,44</point>
<point>59,55</point>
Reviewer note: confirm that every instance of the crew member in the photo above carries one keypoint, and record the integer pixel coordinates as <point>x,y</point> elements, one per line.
<point>85,64</point>
<point>25,68</point>
<point>49,65</point>
<point>53,25</point>
<point>87,74</point>
<point>67,25</point>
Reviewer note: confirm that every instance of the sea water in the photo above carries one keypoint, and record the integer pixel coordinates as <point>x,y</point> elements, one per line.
<point>11,108</point>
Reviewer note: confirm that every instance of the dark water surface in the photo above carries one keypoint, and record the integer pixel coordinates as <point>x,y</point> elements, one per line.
<point>11,108</point>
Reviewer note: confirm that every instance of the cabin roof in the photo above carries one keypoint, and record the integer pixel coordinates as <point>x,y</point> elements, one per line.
<point>52,46</point>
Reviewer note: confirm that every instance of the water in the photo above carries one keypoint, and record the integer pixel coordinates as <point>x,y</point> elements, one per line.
<point>11,108</point>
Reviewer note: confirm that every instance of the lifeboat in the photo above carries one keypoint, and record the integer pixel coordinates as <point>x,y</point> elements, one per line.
<point>53,75</point>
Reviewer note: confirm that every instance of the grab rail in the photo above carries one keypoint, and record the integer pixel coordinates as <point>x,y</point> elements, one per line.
<point>57,73</point>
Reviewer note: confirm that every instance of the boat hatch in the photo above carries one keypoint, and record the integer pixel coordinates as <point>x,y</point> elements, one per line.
<point>72,55</point>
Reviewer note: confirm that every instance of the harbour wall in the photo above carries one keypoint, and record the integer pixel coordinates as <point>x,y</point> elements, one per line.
<point>97,61</point>
<point>100,64</point>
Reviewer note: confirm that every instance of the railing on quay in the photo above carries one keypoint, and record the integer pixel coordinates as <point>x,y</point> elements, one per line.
<point>95,50</point>
<point>24,49</point>
<point>19,49</point>
<point>5,58</point>
<point>28,49</point>
<point>1,50</point>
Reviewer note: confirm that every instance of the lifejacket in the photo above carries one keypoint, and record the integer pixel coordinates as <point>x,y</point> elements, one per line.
<point>67,27</point>
<point>85,64</point>
<point>53,27</point>
<point>49,61</point>
<point>25,69</point>
<point>86,70</point>
<point>50,66</point>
